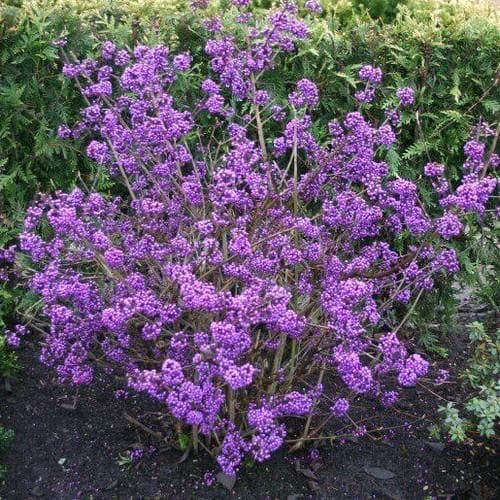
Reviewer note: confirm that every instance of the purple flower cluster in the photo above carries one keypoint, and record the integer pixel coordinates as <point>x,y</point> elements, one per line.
<point>414,368</point>
<point>14,337</point>
<point>406,96</point>
<point>307,94</point>
<point>314,6</point>
<point>340,407</point>
<point>236,262</point>
<point>7,260</point>
<point>372,76</point>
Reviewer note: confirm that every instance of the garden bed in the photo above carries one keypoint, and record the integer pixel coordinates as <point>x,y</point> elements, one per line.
<point>60,453</point>
<point>252,267</point>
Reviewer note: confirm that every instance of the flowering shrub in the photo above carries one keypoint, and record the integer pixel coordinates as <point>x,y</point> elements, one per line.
<point>239,268</point>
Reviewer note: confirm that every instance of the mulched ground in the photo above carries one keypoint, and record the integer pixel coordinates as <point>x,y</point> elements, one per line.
<point>60,453</point>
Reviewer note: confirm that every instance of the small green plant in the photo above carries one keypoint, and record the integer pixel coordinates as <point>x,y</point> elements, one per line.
<point>131,457</point>
<point>8,360</point>
<point>6,437</point>
<point>184,441</point>
<point>125,459</point>
<point>480,411</point>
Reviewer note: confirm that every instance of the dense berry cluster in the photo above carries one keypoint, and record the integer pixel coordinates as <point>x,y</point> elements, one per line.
<point>238,269</point>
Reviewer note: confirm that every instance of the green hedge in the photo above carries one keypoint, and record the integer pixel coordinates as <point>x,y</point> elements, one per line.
<point>449,51</point>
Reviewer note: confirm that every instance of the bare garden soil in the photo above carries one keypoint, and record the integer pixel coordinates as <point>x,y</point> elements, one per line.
<point>63,453</point>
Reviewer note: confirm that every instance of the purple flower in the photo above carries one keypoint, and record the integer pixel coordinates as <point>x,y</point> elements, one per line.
<point>449,226</point>
<point>182,62</point>
<point>14,337</point>
<point>238,377</point>
<point>98,151</point>
<point>72,70</point>
<point>393,116</point>
<point>61,42</point>
<point>340,407</point>
<point>314,6</point>
<point>278,113</point>
<point>213,25</point>
<point>365,96</point>
<point>360,431</point>
<point>122,57</point>
<point>433,169</point>
<point>406,96</point>
<point>442,377</point>
<point>64,132</point>
<point>390,398</point>
<point>233,450</point>
<point>137,455</point>
<point>209,479</point>
<point>307,94</point>
<point>215,104</point>
<point>114,258</point>
<point>474,150</point>
<point>92,113</point>
<point>386,135</point>
<point>108,50</point>
<point>414,368</point>
<point>210,87</point>
<point>261,98</point>
<point>371,74</point>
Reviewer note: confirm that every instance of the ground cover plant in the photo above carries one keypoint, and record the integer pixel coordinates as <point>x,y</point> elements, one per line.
<point>250,256</point>
<point>478,414</point>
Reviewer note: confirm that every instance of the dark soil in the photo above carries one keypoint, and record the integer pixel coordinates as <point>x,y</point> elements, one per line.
<point>60,453</point>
